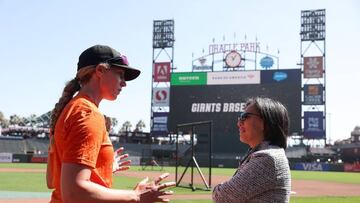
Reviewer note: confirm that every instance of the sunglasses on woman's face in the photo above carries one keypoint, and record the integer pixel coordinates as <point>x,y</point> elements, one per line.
<point>244,115</point>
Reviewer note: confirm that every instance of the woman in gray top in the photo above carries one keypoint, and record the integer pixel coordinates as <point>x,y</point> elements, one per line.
<point>263,174</point>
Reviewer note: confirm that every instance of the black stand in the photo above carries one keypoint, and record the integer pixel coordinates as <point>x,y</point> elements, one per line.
<point>193,161</point>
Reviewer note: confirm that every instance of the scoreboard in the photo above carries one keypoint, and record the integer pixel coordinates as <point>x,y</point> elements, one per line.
<point>220,97</point>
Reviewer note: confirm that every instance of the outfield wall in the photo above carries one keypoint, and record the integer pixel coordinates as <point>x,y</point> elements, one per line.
<point>217,161</point>
<point>22,158</point>
<point>164,154</point>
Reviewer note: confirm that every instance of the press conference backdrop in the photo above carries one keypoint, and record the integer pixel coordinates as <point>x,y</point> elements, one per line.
<point>221,96</point>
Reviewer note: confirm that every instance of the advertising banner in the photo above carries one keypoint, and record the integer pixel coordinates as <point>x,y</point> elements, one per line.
<point>232,77</point>
<point>161,96</point>
<point>282,77</point>
<point>160,122</point>
<point>314,125</point>
<point>312,166</point>
<point>354,167</point>
<point>193,78</point>
<point>313,67</point>
<point>162,72</point>
<point>313,94</point>
<point>200,64</point>
<point>21,158</point>
<point>39,159</point>
<point>5,157</point>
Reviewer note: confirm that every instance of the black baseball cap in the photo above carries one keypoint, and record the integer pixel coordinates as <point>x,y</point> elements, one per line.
<point>105,54</point>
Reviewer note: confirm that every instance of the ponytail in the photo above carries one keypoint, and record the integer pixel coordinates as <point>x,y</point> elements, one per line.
<point>69,90</point>
<point>73,86</point>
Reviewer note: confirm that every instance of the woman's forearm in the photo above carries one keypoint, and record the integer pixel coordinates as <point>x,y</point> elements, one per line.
<point>89,192</point>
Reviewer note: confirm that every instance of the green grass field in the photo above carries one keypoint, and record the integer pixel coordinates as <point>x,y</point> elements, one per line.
<point>35,182</point>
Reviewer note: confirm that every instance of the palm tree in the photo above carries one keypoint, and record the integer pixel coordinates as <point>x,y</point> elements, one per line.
<point>17,120</point>
<point>4,123</point>
<point>140,126</point>
<point>126,127</point>
<point>114,122</point>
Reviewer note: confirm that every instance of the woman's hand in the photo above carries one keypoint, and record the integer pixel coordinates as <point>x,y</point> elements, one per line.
<point>119,165</point>
<point>152,191</point>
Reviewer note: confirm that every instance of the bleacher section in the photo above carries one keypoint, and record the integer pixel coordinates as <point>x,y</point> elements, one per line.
<point>138,149</point>
<point>12,146</point>
<point>24,146</point>
<point>38,146</point>
<point>322,152</point>
<point>296,152</point>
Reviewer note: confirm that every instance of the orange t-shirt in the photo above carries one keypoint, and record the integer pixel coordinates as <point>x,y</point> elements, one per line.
<point>80,137</point>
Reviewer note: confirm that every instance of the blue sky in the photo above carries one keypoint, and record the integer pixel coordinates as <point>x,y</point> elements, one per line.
<point>41,41</point>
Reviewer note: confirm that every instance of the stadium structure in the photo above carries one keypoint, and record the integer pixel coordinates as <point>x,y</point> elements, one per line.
<point>194,113</point>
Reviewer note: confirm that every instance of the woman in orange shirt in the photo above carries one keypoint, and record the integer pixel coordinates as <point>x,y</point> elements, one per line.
<point>81,154</point>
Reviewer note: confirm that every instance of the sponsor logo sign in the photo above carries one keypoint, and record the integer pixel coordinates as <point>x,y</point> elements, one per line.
<point>313,94</point>
<point>202,66</point>
<point>161,96</point>
<point>188,78</point>
<point>159,126</point>
<point>354,167</point>
<point>162,72</point>
<point>5,157</point>
<point>313,67</point>
<point>314,125</point>
<point>312,166</point>
<point>160,119</point>
<point>266,62</point>
<point>281,76</point>
<point>36,159</point>
<point>232,77</point>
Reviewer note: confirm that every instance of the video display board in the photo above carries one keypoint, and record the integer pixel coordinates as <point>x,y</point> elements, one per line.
<point>221,96</point>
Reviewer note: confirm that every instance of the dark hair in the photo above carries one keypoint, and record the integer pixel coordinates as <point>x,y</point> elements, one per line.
<point>275,117</point>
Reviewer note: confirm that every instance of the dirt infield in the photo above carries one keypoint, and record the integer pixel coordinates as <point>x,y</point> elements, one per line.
<point>300,188</point>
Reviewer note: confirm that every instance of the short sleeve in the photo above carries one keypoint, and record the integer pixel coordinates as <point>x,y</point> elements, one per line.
<point>85,132</point>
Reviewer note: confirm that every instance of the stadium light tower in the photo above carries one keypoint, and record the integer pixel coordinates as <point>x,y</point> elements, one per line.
<point>162,65</point>
<point>312,54</point>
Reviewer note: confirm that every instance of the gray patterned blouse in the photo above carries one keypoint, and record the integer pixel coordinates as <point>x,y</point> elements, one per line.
<point>263,176</point>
